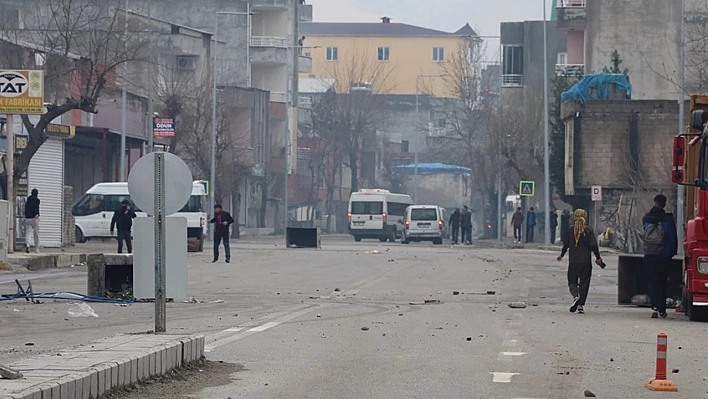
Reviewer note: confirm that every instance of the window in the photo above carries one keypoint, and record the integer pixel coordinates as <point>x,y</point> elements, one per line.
<point>186,62</point>
<point>384,54</point>
<point>513,60</point>
<point>195,204</point>
<point>89,204</point>
<point>438,54</point>
<point>562,58</point>
<point>111,203</point>
<point>367,208</point>
<point>424,214</point>
<point>332,53</point>
<point>397,208</point>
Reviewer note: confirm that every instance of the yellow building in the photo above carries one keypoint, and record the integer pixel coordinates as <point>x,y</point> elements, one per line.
<point>391,58</point>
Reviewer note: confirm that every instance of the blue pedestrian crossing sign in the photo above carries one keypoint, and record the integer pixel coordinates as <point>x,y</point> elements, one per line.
<point>526,188</point>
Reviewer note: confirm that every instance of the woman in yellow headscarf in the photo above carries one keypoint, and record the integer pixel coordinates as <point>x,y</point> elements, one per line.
<point>582,243</point>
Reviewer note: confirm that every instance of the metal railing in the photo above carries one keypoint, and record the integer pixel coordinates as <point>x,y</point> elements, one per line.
<point>305,52</point>
<point>512,80</point>
<point>269,41</point>
<point>571,4</point>
<point>277,97</point>
<point>570,69</point>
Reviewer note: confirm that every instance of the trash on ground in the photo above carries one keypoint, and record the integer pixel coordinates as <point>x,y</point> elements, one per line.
<point>426,302</point>
<point>81,310</point>
<point>589,394</point>
<point>193,300</point>
<point>490,292</point>
<point>365,328</point>
<point>469,338</point>
<point>518,305</point>
<point>29,343</point>
<point>455,292</point>
<point>15,310</point>
<point>374,252</point>
<point>9,374</point>
<point>675,371</point>
<point>217,301</point>
<point>337,290</point>
<point>640,300</point>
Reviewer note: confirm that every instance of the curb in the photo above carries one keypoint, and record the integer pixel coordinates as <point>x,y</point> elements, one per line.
<point>91,371</point>
<point>48,261</point>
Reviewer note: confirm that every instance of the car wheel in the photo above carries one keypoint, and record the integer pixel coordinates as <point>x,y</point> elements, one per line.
<point>392,238</point>
<point>79,236</point>
<point>357,239</point>
<point>383,239</point>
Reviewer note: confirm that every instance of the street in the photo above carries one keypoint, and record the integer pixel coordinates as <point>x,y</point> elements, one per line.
<point>350,321</point>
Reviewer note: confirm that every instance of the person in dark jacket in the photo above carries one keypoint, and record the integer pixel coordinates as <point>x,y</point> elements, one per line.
<point>222,221</point>
<point>530,224</point>
<point>581,243</point>
<point>554,225</point>
<point>517,220</point>
<point>658,264</point>
<point>123,219</point>
<point>466,224</point>
<point>455,225</point>
<point>564,224</point>
<point>32,219</point>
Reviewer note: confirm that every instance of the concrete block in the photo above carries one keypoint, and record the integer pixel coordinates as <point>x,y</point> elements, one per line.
<point>86,383</point>
<point>133,370</point>
<point>50,390</point>
<point>101,372</point>
<point>93,383</point>
<point>164,365</point>
<point>142,368</point>
<point>67,387</point>
<point>152,360</point>
<point>78,387</point>
<point>123,373</point>
<point>114,381</point>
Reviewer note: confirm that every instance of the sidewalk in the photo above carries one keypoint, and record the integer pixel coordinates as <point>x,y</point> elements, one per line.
<point>92,370</point>
<point>49,258</point>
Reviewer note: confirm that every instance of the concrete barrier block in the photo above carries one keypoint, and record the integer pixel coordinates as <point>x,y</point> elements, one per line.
<point>133,370</point>
<point>152,359</point>
<point>50,390</point>
<point>93,386</point>
<point>67,387</point>
<point>180,354</point>
<point>201,342</point>
<point>78,388</point>
<point>102,372</point>
<point>164,365</point>
<point>142,368</point>
<point>123,374</point>
<point>86,383</point>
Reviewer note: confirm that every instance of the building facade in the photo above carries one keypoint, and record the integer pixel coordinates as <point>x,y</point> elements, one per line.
<point>400,59</point>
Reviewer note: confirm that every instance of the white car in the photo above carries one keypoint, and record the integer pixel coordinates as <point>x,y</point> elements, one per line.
<point>423,223</point>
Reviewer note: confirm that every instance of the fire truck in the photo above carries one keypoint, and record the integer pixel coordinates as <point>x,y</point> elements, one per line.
<point>690,168</point>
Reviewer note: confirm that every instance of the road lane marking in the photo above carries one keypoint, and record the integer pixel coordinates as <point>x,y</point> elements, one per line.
<point>508,356</point>
<point>265,326</point>
<point>503,378</point>
<point>242,334</point>
<point>512,353</point>
<point>233,329</point>
<point>509,342</point>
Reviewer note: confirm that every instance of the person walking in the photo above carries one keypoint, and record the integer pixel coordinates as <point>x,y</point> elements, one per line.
<point>517,220</point>
<point>554,225</point>
<point>466,224</point>
<point>222,221</point>
<point>660,245</point>
<point>32,220</point>
<point>123,219</point>
<point>581,243</point>
<point>530,224</point>
<point>455,218</point>
<point>564,224</point>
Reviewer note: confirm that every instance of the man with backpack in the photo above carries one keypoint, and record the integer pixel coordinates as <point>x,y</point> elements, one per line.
<point>660,245</point>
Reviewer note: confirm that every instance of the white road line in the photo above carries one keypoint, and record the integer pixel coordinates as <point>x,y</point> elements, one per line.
<point>243,334</point>
<point>265,326</point>
<point>512,353</point>
<point>503,378</point>
<point>233,329</point>
<point>508,356</point>
<point>509,342</point>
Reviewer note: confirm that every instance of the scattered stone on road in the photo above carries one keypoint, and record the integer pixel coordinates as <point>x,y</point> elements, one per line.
<point>490,292</point>
<point>675,371</point>
<point>455,292</point>
<point>518,305</point>
<point>469,338</point>
<point>365,328</point>
<point>589,394</point>
<point>337,290</point>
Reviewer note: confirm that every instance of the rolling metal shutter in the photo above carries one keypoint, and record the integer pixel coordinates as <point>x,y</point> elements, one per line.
<point>46,174</point>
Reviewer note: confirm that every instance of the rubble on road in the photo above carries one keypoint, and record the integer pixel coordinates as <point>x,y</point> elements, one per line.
<point>9,374</point>
<point>426,302</point>
<point>589,394</point>
<point>518,305</point>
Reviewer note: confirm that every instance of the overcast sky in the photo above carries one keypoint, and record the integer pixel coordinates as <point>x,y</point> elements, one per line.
<point>446,15</point>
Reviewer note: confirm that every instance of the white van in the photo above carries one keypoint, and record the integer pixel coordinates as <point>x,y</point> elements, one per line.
<point>376,213</point>
<point>424,223</point>
<point>94,210</point>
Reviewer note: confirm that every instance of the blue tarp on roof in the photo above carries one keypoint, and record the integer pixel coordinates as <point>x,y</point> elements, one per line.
<point>600,83</point>
<point>431,168</point>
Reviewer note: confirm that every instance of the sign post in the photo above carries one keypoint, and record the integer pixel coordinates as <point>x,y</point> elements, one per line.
<point>163,127</point>
<point>596,193</point>
<point>527,188</point>
<point>21,93</point>
<point>160,282</point>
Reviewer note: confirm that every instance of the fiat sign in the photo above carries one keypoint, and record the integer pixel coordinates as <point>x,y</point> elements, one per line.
<point>21,92</point>
<point>163,127</point>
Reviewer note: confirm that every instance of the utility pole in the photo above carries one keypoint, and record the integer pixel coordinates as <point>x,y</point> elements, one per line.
<point>681,192</point>
<point>150,114</point>
<point>546,155</point>
<point>124,103</point>
<point>10,171</point>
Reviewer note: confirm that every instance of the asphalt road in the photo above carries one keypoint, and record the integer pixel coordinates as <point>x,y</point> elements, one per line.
<point>340,323</point>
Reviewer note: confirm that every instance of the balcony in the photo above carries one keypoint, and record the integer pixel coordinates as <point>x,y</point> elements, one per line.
<point>278,97</point>
<point>570,69</point>
<point>512,80</point>
<point>269,50</point>
<point>571,14</point>
<point>304,61</point>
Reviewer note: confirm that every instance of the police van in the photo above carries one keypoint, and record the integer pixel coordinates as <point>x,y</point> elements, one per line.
<point>94,210</point>
<point>377,214</point>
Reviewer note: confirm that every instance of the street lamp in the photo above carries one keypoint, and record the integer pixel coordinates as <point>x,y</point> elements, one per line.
<point>212,174</point>
<point>546,155</point>
<point>417,133</point>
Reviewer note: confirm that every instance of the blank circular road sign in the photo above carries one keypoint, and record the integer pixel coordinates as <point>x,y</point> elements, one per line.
<point>178,183</point>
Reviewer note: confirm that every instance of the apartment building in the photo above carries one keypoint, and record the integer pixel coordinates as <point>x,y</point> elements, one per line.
<point>410,57</point>
<point>645,33</point>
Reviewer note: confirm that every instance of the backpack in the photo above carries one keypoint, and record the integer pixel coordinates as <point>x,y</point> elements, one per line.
<point>654,239</point>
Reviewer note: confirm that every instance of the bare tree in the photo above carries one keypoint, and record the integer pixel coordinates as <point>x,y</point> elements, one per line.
<point>79,44</point>
<point>355,106</point>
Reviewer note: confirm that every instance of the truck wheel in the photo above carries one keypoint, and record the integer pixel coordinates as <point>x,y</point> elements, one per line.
<point>79,236</point>
<point>696,313</point>
<point>357,239</point>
